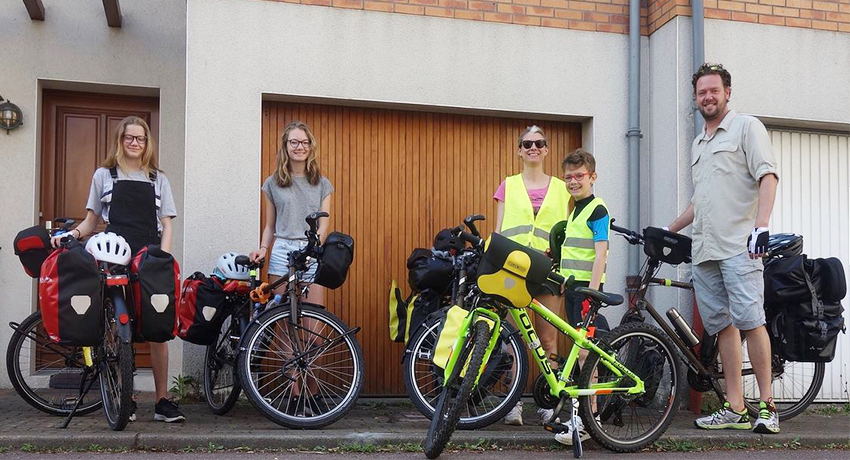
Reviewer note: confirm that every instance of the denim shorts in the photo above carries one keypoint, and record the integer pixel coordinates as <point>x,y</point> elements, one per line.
<point>279,260</point>
<point>730,291</point>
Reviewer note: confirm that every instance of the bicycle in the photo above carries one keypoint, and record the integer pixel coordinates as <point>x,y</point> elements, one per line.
<point>298,364</point>
<point>620,410</point>
<point>503,382</point>
<point>221,382</point>
<point>48,376</point>
<point>705,372</point>
<point>110,362</point>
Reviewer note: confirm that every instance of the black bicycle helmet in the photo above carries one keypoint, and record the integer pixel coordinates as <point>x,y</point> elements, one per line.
<point>445,241</point>
<point>785,245</point>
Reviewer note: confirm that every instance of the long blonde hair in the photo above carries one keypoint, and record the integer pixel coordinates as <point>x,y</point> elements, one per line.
<point>116,155</point>
<point>283,170</point>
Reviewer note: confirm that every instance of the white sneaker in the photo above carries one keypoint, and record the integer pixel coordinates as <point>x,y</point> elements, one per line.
<point>514,417</point>
<point>546,415</point>
<point>566,438</point>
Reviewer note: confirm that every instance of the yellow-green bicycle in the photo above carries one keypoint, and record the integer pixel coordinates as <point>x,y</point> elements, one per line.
<point>628,387</point>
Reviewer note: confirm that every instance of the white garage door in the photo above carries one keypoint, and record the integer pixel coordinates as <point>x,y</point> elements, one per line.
<point>812,200</point>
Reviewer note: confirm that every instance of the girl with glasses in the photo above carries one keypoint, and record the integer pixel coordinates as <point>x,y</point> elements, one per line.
<point>133,197</point>
<point>295,190</point>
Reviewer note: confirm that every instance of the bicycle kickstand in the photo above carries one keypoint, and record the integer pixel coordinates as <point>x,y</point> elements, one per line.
<point>83,394</point>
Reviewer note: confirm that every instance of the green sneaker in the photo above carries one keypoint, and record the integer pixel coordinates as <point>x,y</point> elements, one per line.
<point>725,418</point>
<point>768,421</point>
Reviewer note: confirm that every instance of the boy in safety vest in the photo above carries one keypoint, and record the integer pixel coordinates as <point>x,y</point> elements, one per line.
<point>584,252</point>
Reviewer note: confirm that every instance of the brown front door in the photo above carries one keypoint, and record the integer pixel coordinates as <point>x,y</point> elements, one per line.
<point>76,138</point>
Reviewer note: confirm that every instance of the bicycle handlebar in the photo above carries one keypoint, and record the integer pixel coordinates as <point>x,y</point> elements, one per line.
<point>469,221</point>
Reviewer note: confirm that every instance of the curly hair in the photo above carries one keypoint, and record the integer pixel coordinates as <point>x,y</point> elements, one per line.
<point>712,69</point>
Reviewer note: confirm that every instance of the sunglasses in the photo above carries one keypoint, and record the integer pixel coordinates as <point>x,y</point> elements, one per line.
<point>539,143</point>
<point>577,176</point>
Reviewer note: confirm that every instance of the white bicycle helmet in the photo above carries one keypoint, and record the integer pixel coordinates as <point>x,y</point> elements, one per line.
<point>109,247</point>
<point>226,264</point>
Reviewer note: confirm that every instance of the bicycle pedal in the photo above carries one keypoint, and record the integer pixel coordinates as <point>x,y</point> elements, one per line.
<point>555,427</point>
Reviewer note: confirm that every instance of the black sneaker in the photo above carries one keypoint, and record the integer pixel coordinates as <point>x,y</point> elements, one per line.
<point>167,411</point>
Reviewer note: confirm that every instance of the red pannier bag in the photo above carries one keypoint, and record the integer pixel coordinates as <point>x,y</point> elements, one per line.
<point>32,246</point>
<point>156,287</point>
<point>70,293</point>
<point>202,310</point>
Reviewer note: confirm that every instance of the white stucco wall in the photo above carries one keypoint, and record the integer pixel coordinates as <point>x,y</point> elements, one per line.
<point>75,49</point>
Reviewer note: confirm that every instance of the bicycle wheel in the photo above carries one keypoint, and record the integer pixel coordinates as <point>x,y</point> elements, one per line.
<point>48,376</point>
<point>311,389</point>
<point>116,376</point>
<point>221,387</point>
<point>456,393</point>
<point>794,386</point>
<point>623,422</point>
<point>498,390</point>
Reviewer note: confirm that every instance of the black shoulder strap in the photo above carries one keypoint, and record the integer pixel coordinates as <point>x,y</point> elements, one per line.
<point>152,175</point>
<point>817,305</point>
<point>113,171</point>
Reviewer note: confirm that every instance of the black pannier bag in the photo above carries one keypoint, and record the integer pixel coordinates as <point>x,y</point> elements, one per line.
<point>666,246</point>
<point>427,270</point>
<point>156,289</point>
<point>202,309</point>
<point>808,334</point>
<point>70,294</point>
<point>785,280</point>
<point>804,312</point>
<point>336,258</point>
<point>32,246</point>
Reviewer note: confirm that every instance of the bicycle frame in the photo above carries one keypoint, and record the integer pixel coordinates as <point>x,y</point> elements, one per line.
<point>559,385</point>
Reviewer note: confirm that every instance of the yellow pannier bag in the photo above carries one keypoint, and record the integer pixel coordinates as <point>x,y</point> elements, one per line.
<point>513,273</point>
<point>401,312</point>
<point>447,334</point>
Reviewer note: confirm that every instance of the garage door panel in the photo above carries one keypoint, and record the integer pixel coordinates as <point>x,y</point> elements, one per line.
<point>400,176</point>
<point>813,199</point>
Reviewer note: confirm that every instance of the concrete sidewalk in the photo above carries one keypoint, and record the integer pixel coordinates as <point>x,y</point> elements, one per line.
<point>373,421</point>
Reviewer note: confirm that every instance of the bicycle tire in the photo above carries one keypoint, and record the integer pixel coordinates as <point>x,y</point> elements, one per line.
<point>447,411</point>
<point>116,376</point>
<point>33,370</point>
<point>490,401</point>
<point>788,379</point>
<point>660,401</point>
<point>221,385</point>
<point>264,348</point>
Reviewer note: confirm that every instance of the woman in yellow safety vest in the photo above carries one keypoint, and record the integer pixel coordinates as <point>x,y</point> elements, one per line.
<point>528,205</point>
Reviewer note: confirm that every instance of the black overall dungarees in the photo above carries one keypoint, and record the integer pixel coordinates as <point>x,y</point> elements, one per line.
<point>132,211</point>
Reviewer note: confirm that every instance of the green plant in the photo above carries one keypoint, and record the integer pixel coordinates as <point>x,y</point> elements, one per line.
<point>4,449</point>
<point>185,388</point>
<point>27,447</point>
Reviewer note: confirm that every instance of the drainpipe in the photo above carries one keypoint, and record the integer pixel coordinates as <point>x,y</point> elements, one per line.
<point>698,21</point>
<point>634,134</point>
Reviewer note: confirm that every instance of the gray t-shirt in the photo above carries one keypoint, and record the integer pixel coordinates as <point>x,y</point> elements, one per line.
<point>294,203</point>
<point>100,194</point>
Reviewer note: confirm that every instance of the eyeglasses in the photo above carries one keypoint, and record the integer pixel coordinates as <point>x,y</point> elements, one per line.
<point>128,139</point>
<point>577,176</point>
<point>539,143</point>
<point>295,143</point>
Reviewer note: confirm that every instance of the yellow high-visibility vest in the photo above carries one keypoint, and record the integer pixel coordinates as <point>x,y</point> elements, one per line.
<point>520,224</point>
<point>578,251</point>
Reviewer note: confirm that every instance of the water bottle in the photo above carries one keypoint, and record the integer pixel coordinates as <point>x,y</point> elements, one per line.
<point>683,329</point>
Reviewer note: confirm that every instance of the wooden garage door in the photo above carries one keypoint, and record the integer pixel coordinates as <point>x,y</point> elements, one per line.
<point>401,176</point>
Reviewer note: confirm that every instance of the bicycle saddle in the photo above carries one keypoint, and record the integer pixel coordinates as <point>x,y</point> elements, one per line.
<point>604,297</point>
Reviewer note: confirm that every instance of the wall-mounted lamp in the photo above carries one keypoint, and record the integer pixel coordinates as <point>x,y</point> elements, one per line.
<point>10,115</point>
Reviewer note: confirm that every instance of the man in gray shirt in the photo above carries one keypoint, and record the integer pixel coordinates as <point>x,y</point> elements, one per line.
<point>735,178</point>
